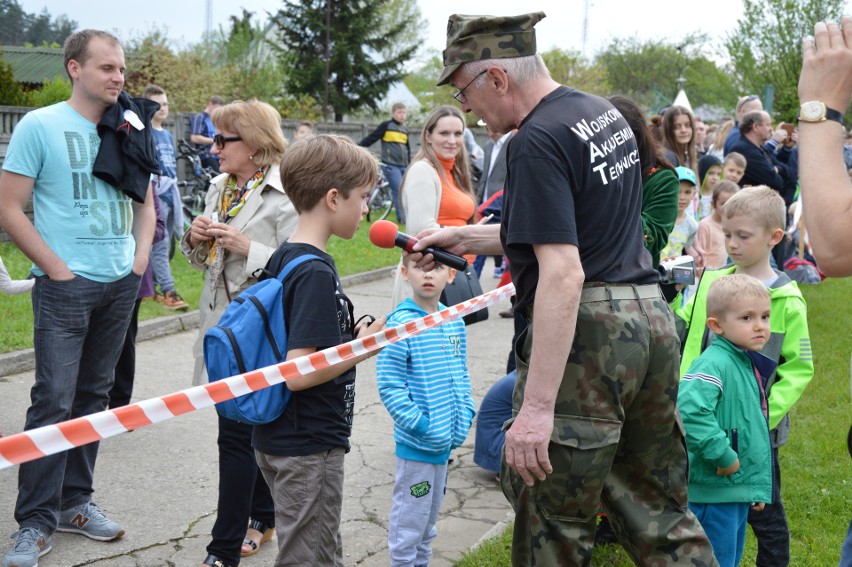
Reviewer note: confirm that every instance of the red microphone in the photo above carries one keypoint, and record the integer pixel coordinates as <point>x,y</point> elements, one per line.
<point>386,234</point>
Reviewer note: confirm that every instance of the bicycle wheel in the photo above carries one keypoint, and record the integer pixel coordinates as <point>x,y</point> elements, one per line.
<point>381,203</point>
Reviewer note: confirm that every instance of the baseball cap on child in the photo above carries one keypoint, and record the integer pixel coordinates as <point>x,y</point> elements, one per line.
<point>686,174</point>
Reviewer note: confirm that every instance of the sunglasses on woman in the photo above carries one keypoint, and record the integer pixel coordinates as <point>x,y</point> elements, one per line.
<point>219,140</point>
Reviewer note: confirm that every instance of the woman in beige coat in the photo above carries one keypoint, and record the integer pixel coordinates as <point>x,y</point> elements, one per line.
<point>246,217</point>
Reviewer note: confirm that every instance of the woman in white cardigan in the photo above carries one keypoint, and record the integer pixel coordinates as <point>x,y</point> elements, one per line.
<point>437,189</point>
<point>246,217</point>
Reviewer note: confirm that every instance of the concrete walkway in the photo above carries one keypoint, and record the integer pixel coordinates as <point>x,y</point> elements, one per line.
<point>160,481</point>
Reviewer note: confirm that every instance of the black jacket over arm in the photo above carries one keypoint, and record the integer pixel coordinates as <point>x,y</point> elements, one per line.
<point>127,156</point>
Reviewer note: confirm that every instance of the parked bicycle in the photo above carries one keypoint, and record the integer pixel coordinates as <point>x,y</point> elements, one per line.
<point>193,189</point>
<point>380,201</point>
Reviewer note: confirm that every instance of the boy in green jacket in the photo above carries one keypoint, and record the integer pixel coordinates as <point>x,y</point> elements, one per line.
<point>753,221</point>
<point>722,402</point>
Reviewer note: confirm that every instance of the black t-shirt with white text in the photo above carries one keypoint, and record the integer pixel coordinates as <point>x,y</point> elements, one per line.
<point>574,178</point>
<point>317,314</point>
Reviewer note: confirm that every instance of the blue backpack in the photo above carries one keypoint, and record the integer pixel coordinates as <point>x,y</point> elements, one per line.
<point>252,334</point>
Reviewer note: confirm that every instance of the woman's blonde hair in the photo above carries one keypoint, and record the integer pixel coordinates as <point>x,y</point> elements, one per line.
<point>722,135</point>
<point>461,168</point>
<point>259,126</point>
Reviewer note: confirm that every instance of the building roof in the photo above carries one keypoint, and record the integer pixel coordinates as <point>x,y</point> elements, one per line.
<point>34,65</point>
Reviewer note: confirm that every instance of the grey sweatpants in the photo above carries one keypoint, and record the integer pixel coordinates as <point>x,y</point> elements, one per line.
<point>417,496</point>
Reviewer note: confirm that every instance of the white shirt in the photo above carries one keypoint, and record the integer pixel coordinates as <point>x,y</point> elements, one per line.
<point>495,150</point>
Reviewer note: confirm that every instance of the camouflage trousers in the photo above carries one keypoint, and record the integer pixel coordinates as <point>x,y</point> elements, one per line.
<point>617,440</point>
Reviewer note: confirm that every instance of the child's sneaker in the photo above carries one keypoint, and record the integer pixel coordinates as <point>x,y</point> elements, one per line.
<point>173,301</point>
<point>30,544</point>
<point>497,273</point>
<point>88,520</point>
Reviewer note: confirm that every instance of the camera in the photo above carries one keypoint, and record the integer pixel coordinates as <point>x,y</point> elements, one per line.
<point>680,270</point>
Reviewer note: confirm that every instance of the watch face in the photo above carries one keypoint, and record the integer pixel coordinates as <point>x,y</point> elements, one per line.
<point>813,111</point>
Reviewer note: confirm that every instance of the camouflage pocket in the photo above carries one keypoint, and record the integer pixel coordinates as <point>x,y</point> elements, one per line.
<point>581,451</point>
<point>677,468</point>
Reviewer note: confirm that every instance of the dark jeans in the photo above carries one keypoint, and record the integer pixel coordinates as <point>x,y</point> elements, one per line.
<point>770,525</point>
<point>79,327</point>
<point>846,551</point>
<point>242,491</point>
<point>394,173</point>
<point>479,263</point>
<point>125,368</point>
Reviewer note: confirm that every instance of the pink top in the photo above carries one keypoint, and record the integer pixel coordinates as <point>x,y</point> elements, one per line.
<point>709,245</point>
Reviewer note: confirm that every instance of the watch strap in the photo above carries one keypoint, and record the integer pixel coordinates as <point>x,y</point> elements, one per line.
<point>831,114</point>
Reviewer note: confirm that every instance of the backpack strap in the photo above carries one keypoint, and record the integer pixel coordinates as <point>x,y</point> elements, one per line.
<point>293,264</point>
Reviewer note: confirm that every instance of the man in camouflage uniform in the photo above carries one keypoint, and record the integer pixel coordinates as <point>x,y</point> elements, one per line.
<point>594,405</point>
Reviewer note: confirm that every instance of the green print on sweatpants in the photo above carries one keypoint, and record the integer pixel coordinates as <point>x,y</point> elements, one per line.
<point>420,489</point>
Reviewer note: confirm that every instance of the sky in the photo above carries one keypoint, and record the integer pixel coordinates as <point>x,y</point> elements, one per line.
<point>184,20</point>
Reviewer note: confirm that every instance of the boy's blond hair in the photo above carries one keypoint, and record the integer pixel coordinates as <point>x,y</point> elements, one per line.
<point>724,187</point>
<point>733,286</point>
<point>736,157</point>
<point>762,204</point>
<point>326,161</point>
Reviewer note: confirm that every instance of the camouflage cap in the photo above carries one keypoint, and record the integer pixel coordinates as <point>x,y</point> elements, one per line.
<point>474,38</point>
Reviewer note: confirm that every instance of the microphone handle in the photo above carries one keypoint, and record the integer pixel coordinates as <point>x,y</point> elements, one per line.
<point>441,256</point>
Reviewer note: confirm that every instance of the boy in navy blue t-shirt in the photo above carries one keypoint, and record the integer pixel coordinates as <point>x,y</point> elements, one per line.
<point>328,179</point>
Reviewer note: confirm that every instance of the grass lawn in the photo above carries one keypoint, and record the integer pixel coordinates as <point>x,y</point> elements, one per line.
<point>351,256</point>
<point>816,469</point>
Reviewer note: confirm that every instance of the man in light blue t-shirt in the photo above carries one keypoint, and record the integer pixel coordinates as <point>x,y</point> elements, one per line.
<point>89,244</point>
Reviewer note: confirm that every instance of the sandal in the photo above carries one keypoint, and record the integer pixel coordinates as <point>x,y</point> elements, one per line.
<point>265,532</point>
<point>214,561</point>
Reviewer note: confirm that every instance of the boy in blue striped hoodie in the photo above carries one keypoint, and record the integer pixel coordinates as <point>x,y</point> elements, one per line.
<point>425,385</point>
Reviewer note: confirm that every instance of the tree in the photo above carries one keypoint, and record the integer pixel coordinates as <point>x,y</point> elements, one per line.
<point>62,28</point>
<point>39,29</point>
<point>571,68</point>
<point>422,81</point>
<point>331,51</point>
<point>185,76</point>
<point>254,69</point>
<point>11,93</point>
<point>13,23</point>
<point>766,47</point>
<point>55,90</point>
<point>18,27</point>
<point>648,72</point>
<point>395,11</point>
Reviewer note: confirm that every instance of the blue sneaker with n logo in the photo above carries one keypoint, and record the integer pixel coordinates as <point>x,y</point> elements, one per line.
<point>30,544</point>
<point>88,520</point>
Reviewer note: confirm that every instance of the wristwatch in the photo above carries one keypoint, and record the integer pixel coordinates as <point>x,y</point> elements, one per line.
<point>816,111</point>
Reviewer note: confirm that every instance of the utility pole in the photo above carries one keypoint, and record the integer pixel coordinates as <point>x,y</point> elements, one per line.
<point>208,22</point>
<point>325,108</point>
<point>586,26</point>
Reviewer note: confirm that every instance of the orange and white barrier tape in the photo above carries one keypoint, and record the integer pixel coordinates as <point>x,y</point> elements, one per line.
<point>51,439</point>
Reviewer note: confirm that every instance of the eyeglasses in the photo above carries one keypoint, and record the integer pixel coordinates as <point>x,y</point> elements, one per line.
<point>459,94</point>
<point>219,140</point>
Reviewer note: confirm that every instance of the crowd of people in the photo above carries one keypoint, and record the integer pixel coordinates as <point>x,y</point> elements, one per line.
<point>662,405</point>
